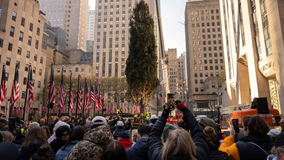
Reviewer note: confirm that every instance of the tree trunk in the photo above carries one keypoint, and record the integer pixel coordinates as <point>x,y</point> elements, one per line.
<point>142,108</point>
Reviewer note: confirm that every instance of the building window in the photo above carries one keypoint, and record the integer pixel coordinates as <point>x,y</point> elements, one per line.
<point>19,51</point>
<point>23,22</point>
<point>76,69</point>
<point>213,85</point>
<point>211,67</point>
<point>35,57</point>
<point>23,94</point>
<point>206,74</point>
<point>1,43</point>
<point>30,41</point>
<point>26,67</point>
<point>34,70</point>
<point>36,45</point>
<point>38,31</point>
<point>8,61</point>
<point>25,81</point>
<point>12,31</point>
<point>28,54</point>
<point>38,84</point>
<point>31,27</point>
<point>14,16</point>
<point>196,89</point>
<point>40,72</point>
<point>206,68</point>
<point>41,60</point>
<point>195,74</point>
<point>216,67</point>
<point>10,47</point>
<point>196,81</point>
<point>21,36</point>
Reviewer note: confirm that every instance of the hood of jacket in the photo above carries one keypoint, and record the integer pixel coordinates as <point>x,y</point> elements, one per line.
<point>141,147</point>
<point>57,144</point>
<point>100,135</point>
<point>126,143</point>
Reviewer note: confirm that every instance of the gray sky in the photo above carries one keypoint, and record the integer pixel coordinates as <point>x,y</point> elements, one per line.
<point>172,12</point>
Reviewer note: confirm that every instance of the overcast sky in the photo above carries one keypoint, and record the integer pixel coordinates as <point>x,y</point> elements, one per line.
<point>172,12</point>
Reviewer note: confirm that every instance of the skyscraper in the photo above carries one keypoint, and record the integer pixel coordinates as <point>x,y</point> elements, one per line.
<point>70,15</point>
<point>90,31</point>
<point>253,47</point>
<point>204,50</point>
<point>112,35</point>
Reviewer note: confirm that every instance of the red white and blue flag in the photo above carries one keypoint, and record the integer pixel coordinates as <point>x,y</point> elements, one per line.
<point>60,101</point>
<point>30,88</point>
<point>15,89</point>
<point>97,98</point>
<point>103,99</point>
<point>79,95</point>
<point>160,97</point>
<point>87,99</point>
<point>52,89</point>
<point>3,86</point>
<point>70,95</point>
<point>93,96</point>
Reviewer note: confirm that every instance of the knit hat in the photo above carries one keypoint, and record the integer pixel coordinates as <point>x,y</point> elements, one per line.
<point>8,151</point>
<point>154,116</point>
<point>120,123</point>
<point>207,122</point>
<point>273,133</point>
<point>99,120</point>
<point>279,141</point>
<point>123,134</point>
<point>167,129</point>
<point>62,131</point>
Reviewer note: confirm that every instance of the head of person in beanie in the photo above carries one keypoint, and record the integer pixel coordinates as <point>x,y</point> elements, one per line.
<point>123,137</point>
<point>119,128</point>
<point>77,134</point>
<point>3,125</point>
<point>35,139</point>
<point>62,135</point>
<point>8,151</point>
<point>140,150</point>
<point>44,153</point>
<point>114,151</point>
<point>153,118</point>
<point>277,151</point>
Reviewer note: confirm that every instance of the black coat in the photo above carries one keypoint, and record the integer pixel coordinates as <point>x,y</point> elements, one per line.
<point>26,154</point>
<point>155,145</point>
<point>56,144</point>
<point>139,151</point>
<point>250,151</point>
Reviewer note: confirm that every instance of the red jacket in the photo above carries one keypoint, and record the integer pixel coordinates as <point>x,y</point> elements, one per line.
<point>126,143</point>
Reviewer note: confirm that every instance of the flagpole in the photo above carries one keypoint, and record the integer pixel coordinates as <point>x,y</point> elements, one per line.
<point>77,96</point>
<point>48,105</point>
<point>94,102</point>
<point>90,98</point>
<point>99,98</point>
<point>70,91</point>
<point>84,97</point>
<point>59,112</point>
<point>27,90</point>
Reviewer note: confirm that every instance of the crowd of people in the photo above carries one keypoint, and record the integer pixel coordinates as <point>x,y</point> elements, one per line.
<point>114,139</point>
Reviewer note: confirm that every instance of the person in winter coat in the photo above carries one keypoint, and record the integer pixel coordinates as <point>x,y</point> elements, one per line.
<point>8,151</point>
<point>278,148</point>
<point>91,146</point>
<point>3,125</point>
<point>35,139</point>
<point>120,127</point>
<point>123,137</point>
<point>255,145</point>
<point>153,118</point>
<point>213,144</point>
<point>62,135</point>
<point>76,136</point>
<point>140,150</point>
<point>180,144</point>
<point>114,151</point>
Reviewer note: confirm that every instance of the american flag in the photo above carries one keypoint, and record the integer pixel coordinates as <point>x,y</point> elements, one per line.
<point>97,99</point>
<point>3,86</point>
<point>70,95</point>
<point>87,100</point>
<point>160,97</point>
<point>93,97</point>
<point>52,90</point>
<point>30,88</point>
<point>60,101</point>
<point>15,89</point>
<point>79,95</point>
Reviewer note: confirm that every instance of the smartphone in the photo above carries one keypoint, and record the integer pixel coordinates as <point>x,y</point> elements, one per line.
<point>12,123</point>
<point>236,125</point>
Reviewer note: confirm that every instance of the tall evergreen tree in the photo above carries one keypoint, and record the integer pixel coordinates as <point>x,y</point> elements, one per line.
<point>141,65</point>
